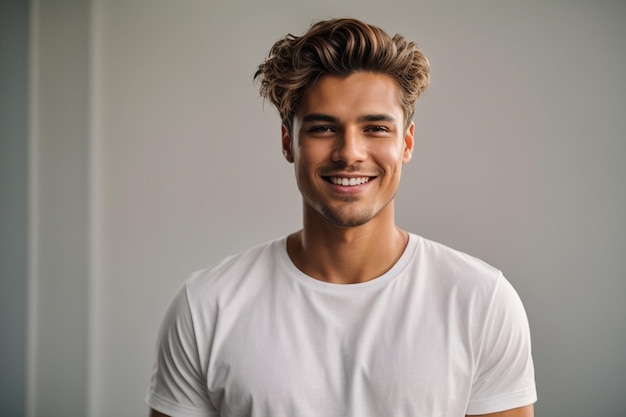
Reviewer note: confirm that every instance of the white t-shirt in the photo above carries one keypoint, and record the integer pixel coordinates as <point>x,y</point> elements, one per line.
<point>440,334</point>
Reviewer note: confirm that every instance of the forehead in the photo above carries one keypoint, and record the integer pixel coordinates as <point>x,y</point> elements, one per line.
<point>354,95</point>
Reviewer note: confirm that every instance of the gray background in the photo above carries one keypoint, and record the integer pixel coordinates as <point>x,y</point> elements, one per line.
<point>13,204</point>
<point>135,150</point>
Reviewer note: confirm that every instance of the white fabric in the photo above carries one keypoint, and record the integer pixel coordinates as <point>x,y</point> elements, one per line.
<point>440,334</point>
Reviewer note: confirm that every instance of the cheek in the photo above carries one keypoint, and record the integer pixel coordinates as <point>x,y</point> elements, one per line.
<point>390,156</point>
<point>310,154</point>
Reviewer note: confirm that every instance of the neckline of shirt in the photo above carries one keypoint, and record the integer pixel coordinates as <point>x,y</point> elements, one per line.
<point>296,274</point>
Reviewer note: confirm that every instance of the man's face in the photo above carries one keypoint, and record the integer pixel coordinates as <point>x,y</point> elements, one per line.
<point>348,144</point>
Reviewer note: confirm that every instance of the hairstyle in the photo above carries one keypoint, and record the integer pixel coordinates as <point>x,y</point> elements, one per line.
<point>340,47</point>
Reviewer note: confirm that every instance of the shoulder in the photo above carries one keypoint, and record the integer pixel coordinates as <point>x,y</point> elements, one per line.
<point>452,265</point>
<point>249,267</point>
<point>458,287</point>
<point>470,286</point>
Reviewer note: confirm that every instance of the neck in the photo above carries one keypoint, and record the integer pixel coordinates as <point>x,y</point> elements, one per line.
<point>347,255</point>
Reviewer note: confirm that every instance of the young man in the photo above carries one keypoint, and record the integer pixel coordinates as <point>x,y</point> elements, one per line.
<point>350,316</point>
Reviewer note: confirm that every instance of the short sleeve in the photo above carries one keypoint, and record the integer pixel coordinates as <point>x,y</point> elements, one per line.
<point>178,387</point>
<point>504,375</point>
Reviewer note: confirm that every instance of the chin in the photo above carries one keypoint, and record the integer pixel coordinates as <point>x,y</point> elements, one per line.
<point>346,220</point>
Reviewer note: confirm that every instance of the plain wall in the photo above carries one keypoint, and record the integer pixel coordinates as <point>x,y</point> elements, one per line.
<point>14,29</point>
<point>519,160</point>
<point>59,280</point>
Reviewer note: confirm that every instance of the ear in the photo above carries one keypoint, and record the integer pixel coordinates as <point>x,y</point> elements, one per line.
<point>409,142</point>
<point>287,144</point>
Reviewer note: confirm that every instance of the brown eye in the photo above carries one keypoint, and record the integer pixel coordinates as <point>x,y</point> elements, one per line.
<point>377,129</point>
<point>320,130</point>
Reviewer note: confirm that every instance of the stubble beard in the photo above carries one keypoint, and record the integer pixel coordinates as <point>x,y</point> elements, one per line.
<point>348,216</point>
<point>339,218</point>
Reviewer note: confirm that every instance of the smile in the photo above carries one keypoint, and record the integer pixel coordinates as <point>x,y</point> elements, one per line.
<point>348,182</point>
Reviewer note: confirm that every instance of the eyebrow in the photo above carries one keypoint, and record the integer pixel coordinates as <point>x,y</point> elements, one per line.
<point>319,117</point>
<point>377,118</point>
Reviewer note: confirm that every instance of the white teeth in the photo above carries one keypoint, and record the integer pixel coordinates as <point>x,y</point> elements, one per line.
<point>349,181</point>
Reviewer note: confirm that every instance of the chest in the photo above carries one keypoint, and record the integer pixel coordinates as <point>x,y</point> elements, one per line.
<point>380,354</point>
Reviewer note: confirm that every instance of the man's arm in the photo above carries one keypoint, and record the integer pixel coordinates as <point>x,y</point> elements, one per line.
<point>177,382</point>
<point>527,411</point>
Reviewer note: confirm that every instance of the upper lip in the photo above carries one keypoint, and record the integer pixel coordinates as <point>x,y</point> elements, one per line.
<point>349,172</point>
<point>349,175</point>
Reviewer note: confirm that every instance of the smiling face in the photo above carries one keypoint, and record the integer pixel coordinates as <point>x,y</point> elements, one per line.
<point>348,144</point>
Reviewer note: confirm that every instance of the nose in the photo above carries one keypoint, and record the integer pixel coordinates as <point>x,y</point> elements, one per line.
<point>350,147</point>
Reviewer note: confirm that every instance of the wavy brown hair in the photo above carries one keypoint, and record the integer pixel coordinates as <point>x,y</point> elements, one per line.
<point>340,47</point>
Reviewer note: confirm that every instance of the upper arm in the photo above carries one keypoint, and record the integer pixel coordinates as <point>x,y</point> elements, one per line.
<point>504,373</point>
<point>527,411</point>
<point>178,382</point>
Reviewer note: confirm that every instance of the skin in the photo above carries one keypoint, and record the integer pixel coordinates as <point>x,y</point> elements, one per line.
<point>348,128</point>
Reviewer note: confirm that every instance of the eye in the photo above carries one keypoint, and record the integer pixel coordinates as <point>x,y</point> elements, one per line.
<point>377,129</point>
<point>321,129</point>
